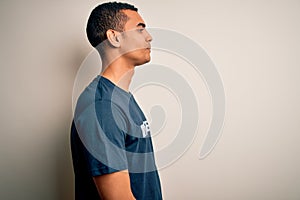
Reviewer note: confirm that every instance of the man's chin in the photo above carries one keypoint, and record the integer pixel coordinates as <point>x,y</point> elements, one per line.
<point>148,60</point>
<point>144,61</point>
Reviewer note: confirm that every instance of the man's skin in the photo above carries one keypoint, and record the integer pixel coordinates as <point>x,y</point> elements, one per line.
<point>125,51</point>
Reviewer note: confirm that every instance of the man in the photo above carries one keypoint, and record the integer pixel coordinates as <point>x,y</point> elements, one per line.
<point>110,137</point>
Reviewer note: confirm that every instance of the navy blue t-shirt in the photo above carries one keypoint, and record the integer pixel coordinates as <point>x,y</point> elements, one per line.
<point>110,133</point>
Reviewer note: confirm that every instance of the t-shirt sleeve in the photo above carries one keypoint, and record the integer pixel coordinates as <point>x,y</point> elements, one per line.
<point>102,130</point>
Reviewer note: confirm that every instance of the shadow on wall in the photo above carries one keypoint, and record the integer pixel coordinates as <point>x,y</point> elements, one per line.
<point>63,166</point>
<point>62,151</point>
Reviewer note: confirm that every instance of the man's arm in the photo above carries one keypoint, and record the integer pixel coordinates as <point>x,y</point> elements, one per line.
<point>114,186</point>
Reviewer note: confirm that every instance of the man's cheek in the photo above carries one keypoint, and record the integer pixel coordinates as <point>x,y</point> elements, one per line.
<point>134,45</point>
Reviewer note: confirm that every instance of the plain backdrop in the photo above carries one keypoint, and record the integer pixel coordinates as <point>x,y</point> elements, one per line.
<point>255,46</point>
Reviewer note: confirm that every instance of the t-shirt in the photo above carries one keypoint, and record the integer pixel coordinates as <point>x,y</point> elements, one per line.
<point>110,133</point>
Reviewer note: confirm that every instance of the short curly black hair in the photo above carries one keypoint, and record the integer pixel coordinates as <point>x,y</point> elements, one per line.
<point>104,17</point>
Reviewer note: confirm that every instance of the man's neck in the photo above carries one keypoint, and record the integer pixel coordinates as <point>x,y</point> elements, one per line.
<point>120,74</point>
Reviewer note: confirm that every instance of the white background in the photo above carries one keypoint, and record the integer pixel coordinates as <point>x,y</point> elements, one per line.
<point>255,46</point>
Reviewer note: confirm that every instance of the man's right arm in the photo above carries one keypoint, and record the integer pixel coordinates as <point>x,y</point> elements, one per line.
<point>114,186</point>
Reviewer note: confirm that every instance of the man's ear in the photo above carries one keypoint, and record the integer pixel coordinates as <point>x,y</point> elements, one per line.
<point>113,38</point>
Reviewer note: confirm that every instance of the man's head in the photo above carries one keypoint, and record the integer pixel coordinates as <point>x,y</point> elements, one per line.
<point>105,17</point>
<point>118,27</point>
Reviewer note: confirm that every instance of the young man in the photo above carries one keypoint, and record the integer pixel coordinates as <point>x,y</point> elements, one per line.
<point>110,137</point>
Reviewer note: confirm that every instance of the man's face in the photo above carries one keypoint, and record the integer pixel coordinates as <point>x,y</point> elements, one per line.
<point>136,40</point>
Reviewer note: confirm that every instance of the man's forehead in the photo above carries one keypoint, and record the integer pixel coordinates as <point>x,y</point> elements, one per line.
<point>134,20</point>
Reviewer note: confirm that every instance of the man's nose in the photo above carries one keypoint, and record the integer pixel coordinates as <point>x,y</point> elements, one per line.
<point>148,36</point>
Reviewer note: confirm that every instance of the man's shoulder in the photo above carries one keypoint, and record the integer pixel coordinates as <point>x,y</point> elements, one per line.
<point>96,90</point>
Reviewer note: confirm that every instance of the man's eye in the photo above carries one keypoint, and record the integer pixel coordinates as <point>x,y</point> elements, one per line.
<point>141,29</point>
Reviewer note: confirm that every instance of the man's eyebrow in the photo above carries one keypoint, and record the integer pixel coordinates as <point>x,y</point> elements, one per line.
<point>141,24</point>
